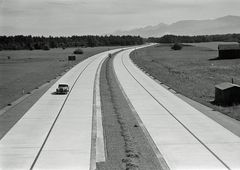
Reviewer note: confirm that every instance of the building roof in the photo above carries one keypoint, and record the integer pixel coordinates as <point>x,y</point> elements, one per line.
<point>229,47</point>
<point>226,85</point>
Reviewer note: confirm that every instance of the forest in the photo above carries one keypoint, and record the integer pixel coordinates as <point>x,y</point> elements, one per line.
<point>21,42</point>
<point>195,39</point>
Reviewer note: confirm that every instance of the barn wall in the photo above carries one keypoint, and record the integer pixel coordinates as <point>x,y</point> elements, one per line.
<point>229,54</point>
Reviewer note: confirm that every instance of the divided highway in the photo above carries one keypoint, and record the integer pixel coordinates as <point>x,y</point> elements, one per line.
<point>65,131</point>
<point>56,132</point>
<point>182,137</point>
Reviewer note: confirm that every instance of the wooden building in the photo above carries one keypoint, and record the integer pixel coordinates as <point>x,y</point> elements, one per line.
<point>228,51</point>
<point>227,94</point>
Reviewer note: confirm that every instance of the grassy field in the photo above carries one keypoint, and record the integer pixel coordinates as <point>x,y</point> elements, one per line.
<point>30,69</point>
<point>191,72</point>
<point>211,45</point>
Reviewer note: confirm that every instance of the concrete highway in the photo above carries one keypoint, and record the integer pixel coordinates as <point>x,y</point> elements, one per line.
<point>56,132</point>
<point>182,137</point>
<point>66,131</point>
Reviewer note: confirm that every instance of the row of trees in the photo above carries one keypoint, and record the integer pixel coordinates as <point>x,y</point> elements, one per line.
<point>20,42</point>
<point>196,39</point>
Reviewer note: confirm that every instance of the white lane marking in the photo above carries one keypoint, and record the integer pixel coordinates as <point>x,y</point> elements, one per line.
<point>97,140</point>
<point>155,149</point>
<point>98,153</point>
<point>176,156</point>
<point>172,114</point>
<point>28,134</point>
<point>60,111</point>
<point>217,139</point>
<point>18,148</point>
<point>71,137</point>
<point>100,147</point>
<point>205,129</point>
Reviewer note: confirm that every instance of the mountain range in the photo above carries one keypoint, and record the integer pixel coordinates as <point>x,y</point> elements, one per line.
<point>222,25</point>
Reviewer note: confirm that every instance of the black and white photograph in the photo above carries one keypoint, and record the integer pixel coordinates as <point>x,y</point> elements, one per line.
<point>119,85</point>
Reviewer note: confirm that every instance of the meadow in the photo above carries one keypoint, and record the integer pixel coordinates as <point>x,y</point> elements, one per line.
<point>191,71</point>
<point>211,45</point>
<point>21,71</point>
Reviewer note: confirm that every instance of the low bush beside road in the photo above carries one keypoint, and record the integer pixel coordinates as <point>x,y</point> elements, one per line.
<point>176,46</point>
<point>78,51</point>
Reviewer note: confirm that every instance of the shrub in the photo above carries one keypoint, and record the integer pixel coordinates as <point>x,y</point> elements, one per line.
<point>45,47</point>
<point>31,48</point>
<point>176,46</point>
<point>78,51</point>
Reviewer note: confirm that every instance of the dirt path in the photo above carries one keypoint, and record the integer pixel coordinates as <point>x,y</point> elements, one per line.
<point>126,145</point>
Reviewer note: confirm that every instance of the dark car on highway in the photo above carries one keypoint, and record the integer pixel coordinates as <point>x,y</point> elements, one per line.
<point>62,89</point>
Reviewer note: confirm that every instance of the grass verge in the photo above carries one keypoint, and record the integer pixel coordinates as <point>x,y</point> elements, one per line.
<point>190,72</point>
<point>22,71</point>
<point>126,145</point>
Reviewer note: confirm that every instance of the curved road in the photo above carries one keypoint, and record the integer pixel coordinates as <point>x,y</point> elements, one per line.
<point>182,137</point>
<point>47,136</point>
<point>65,131</point>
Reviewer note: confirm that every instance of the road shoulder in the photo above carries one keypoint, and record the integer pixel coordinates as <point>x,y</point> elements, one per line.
<point>227,122</point>
<point>12,114</point>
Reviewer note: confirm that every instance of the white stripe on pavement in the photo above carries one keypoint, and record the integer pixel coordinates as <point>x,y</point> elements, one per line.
<point>57,128</point>
<point>186,137</point>
<point>69,145</point>
<point>19,147</point>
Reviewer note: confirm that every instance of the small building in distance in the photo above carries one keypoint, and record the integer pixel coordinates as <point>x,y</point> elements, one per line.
<point>227,94</point>
<point>228,51</point>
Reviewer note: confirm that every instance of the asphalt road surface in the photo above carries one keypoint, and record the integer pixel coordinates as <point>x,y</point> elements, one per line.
<point>65,131</point>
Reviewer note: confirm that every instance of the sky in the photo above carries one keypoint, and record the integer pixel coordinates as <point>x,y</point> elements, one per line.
<point>100,17</point>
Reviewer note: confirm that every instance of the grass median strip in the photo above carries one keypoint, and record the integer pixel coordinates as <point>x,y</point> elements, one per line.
<point>126,145</point>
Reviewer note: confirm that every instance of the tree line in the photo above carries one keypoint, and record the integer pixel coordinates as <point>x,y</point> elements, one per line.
<point>195,39</point>
<point>20,42</point>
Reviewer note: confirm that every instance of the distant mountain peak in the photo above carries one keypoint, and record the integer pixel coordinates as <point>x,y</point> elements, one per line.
<point>229,17</point>
<point>221,25</point>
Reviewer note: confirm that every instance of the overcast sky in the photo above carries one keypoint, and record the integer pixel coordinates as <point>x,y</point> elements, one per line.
<point>79,17</point>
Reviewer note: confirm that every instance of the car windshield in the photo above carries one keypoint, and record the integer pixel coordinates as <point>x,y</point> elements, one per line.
<point>62,85</point>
